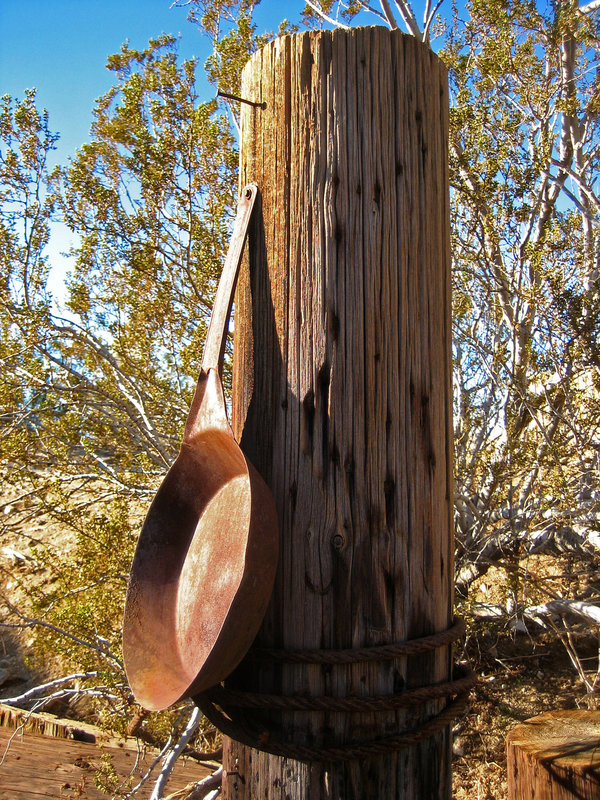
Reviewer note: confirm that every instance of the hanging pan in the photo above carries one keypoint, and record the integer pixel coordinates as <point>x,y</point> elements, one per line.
<point>205,562</point>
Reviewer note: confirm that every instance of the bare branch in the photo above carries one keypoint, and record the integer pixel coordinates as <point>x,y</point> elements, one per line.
<point>42,688</point>
<point>38,623</point>
<point>584,610</point>
<point>409,19</point>
<point>389,14</point>
<point>200,790</point>
<point>317,9</point>
<point>429,17</point>
<point>175,752</point>
<point>148,774</point>
<point>588,8</point>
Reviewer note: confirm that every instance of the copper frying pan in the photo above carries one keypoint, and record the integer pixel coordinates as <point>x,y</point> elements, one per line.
<point>205,562</point>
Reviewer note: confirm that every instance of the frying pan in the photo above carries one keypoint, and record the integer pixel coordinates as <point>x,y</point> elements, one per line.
<point>204,565</point>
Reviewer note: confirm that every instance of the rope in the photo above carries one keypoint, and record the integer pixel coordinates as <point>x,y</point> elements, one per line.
<point>227,698</point>
<point>384,652</point>
<point>261,739</point>
<point>223,707</point>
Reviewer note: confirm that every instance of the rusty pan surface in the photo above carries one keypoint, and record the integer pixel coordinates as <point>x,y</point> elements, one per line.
<point>205,562</point>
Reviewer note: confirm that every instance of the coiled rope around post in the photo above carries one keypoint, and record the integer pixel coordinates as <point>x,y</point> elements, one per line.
<point>226,708</point>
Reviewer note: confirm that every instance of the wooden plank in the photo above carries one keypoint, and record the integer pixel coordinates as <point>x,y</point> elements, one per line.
<point>47,724</point>
<point>40,766</point>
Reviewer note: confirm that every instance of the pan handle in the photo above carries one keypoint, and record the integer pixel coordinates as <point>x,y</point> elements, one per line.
<point>214,346</point>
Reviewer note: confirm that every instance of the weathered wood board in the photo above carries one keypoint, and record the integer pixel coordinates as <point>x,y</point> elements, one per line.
<point>555,756</point>
<point>342,393</point>
<point>33,765</point>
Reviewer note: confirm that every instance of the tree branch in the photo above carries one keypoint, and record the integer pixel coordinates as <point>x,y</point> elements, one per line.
<point>175,752</point>
<point>319,12</point>
<point>409,19</point>
<point>42,688</point>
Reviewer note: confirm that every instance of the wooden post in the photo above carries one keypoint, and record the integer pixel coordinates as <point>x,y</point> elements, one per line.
<point>342,382</point>
<point>555,756</point>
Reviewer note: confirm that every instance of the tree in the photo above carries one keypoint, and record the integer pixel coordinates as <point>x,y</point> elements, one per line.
<point>149,199</point>
<point>97,384</point>
<point>25,210</point>
<point>525,143</point>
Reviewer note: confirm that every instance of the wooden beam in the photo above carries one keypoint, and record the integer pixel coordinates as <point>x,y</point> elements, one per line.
<point>342,396</point>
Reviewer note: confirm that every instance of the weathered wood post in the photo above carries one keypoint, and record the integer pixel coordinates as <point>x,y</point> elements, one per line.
<point>555,756</point>
<point>342,399</point>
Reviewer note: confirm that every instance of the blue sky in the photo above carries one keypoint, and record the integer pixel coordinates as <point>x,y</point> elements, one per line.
<point>60,47</point>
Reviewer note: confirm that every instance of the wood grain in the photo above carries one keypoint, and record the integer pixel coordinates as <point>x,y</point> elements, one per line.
<point>555,756</point>
<point>342,390</point>
<point>32,766</point>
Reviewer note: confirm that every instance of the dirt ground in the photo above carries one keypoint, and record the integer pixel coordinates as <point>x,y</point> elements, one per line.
<point>519,677</point>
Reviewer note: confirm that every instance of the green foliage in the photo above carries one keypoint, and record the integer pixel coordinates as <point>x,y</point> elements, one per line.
<point>149,199</point>
<point>230,54</point>
<point>26,206</point>
<point>229,26</point>
<point>107,779</point>
<point>87,591</point>
<point>97,385</point>
<point>524,150</point>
